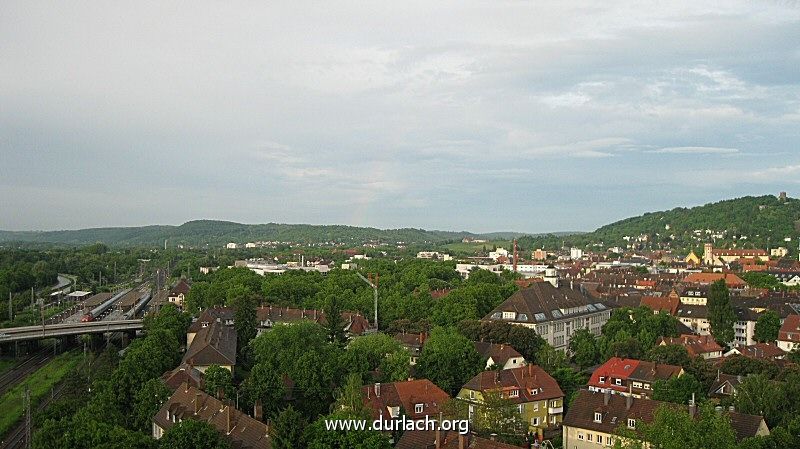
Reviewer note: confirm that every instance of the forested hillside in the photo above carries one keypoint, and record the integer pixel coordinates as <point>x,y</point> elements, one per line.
<point>750,221</point>
<point>211,232</point>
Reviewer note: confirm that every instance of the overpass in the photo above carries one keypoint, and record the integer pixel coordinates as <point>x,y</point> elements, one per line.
<point>12,334</point>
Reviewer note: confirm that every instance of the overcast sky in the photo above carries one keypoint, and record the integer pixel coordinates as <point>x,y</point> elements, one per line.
<point>496,115</point>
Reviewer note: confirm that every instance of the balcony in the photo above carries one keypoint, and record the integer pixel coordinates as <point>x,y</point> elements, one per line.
<point>555,410</point>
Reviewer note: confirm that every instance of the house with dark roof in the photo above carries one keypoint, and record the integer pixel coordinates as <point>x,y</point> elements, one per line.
<point>183,374</point>
<point>536,394</point>
<point>430,439</point>
<point>555,312</point>
<point>413,344</point>
<point>631,377</point>
<point>762,351</point>
<point>499,355</point>
<point>190,402</point>
<point>696,345</point>
<point>724,386</point>
<point>214,344</point>
<point>415,399</point>
<point>594,418</point>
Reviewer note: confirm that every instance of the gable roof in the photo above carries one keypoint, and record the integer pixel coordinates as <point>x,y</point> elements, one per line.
<point>790,329</point>
<point>426,439</point>
<point>189,402</point>
<point>661,303</point>
<point>527,379</point>
<point>695,344</point>
<point>212,345</point>
<point>731,280</point>
<point>544,302</point>
<point>499,353</point>
<point>181,288</point>
<point>404,395</point>
<point>615,411</point>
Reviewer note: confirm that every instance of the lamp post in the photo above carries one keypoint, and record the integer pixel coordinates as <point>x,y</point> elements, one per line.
<point>374,286</point>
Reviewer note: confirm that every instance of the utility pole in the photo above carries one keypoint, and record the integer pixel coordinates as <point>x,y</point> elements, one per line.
<point>32,300</point>
<point>10,308</point>
<point>374,292</point>
<point>27,405</point>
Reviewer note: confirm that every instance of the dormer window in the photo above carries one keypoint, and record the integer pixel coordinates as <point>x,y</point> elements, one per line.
<point>417,408</point>
<point>631,423</point>
<point>598,417</point>
<point>534,391</point>
<point>509,315</point>
<point>618,381</point>
<point>602,379</point>
<point>513,394</point>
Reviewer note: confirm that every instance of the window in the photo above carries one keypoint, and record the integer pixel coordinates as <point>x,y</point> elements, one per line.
<point>617,381</point>
<point>589,437</point>
<point>580,435</point>
<point>534,391</point>
<point>535,421</point>
<point>553,404</point>
<point>608,441</point>
<point>602,379</point>
<point>535,406</point>
<point>631,423</point>
<point>509,315</point>
<point>519,408</point>
<point>553,419</point>
<point>471,394</point>
<point>513,394</point>
<point>417,408</point>
<point>646,386</point>
<point>598,417</point>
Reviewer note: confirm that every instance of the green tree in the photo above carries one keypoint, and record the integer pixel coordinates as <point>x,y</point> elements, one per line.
<point>349,398</point>
<point>265,385</point>
<point>448,359</point>
<point>499,415</point>
<point>191,434</point>
<point>287,429</point>
<point>245,322</point>
<point>334,322</point>
<point>767,327</point>
<point>721,316</point>
<point>679,390</point>
<point>583,347</point>
<point>147,402</point>
<point>669,354</point>
<point>757,395</point>
<point>218,381</point>
<point>674,428</point>
<point>317,435</point>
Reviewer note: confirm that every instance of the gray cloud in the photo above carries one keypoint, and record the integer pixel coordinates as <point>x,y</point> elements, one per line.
<point>442,115</point>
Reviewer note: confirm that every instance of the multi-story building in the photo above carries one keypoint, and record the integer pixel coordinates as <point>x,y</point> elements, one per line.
<point>594,419</point>
<point>555,312</point>
<point>416,399</point>
<point>536,394</point>
<point>631,377</point>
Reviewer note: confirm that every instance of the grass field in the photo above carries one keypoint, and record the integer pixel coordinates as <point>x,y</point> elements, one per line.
<point>40,384</point>
<point>6,364</point>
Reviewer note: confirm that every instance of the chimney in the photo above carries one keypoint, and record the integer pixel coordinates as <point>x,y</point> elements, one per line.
<point>197,403</point>
<point>606,396</point>
<point>228,415</point>
<point>258,410</point>
<point>629,398</point>
<point>692,407</point>
<point>461,441</point>
<point>377,389</point>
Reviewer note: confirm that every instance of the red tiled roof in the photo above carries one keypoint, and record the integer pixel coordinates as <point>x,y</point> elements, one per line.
<point>527,379</point>
<point>404,395</point>
<point>659,303</point>
<point>790,330</point>
<point>695,344</point>
<point>615,368</point>
<point>708,278</point>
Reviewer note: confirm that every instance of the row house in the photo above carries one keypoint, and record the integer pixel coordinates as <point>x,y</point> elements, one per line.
<point>536,394</point>
<point>594,419</point>
<point>629,377</point>
<point>236,427</point>
<point>696,345</point>
<point>555,312</point>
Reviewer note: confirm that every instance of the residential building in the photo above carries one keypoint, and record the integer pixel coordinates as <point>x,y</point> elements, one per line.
<point>214,344</point>
<point>694,295</point>
<point>430,439</point>
<point>731,280</point>
<point>695,318</point>
<point>779,252</point>
<point>789,334</point>
<point>594,418</point>
<point>763,351</point>
<point>183,374</point>
<point>434,255</point>
<point>696,345</point>
<point>536,394</point>
<point>416,399</point>
<point>539,254</point>
<point>177,294</point>
<point>631,377</point>
<point>724,386</point>
<point>787,278</point>
<point>575,253</point>
<point>499,355</point>
<point>190,402</point>
<point>413,343</point>
<point>554,312</point>
<point>662,304</point>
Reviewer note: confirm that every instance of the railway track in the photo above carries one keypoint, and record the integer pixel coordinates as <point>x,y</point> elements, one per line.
<point>18,373</point>
<point>16,437</point>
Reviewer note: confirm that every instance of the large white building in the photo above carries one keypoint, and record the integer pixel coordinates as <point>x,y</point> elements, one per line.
<point>555,312</point>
